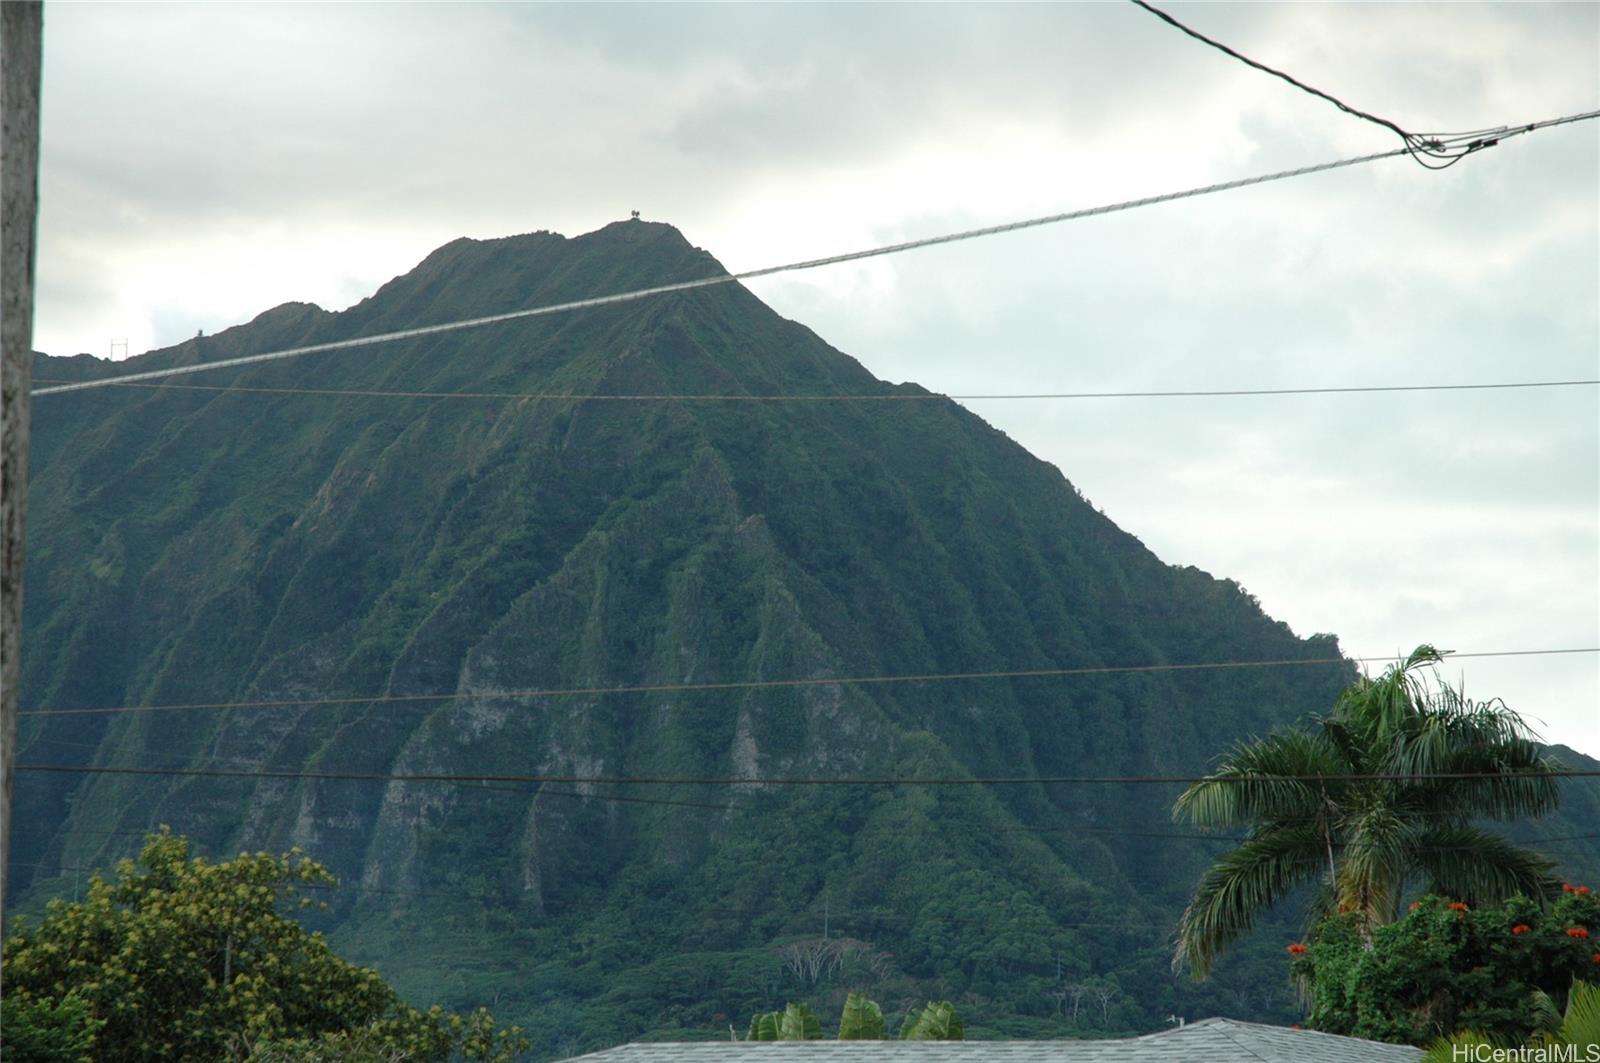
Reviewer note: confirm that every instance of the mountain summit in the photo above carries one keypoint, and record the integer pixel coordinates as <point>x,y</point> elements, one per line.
<point>398,580</point>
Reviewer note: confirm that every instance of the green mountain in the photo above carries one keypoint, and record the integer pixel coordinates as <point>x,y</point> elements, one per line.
<point>194,546</point>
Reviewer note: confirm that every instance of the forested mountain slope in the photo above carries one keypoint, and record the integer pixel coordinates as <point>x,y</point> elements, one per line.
<point>190,545</point>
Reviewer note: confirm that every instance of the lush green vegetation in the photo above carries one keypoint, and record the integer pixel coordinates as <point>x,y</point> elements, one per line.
<point>193,546</point>
<point>181,958</point>
<point>49,1029</point>
<point>1578,1032</point>
<point>936,1022</point>
<point>860,1020</point>
<point>1503,970</point>
<point>1368,801</point>
<point>795,1022</point>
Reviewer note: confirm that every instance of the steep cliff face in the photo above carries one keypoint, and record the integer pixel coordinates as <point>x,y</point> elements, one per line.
<point>192,545</point>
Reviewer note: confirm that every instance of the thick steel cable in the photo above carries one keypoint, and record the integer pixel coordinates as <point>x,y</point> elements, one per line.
<point>1448,148</point>
<point>1490,139</point>
<point>1302,86</point>
<point>769,684</point>
<point>724,278</point>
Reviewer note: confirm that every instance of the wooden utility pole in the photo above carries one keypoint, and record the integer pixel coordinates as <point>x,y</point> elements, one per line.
<point>21,24</point>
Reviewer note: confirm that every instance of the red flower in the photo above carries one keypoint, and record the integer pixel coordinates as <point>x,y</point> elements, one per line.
<point>1596,957</point>
<point>1581,890</point>
<point>1297,949</point>
<point>1456,906</point>
<point>1577,931</point>
<point>1415,905</point>
<point>1521,928</point>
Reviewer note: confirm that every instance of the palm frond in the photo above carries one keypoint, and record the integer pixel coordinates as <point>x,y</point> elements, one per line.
<point>1452,734</point>
<point>1378,846</point>
<point>1351,751</point>
<point>1546,1016</point>
<point>1242,883</point>
<point>1466,1045</point>
<point>1249,784</point>
<point>1473,865</point>
<point>1322,903</point>
<point>1581,1025</point>
<point>1377,708</point>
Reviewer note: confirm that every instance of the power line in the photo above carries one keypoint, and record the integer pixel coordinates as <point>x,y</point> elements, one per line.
<point>768,684</point>
<point>724,278</point>
<point>1500,133</point>
<point>1302,86</point>
<point>875,915</point>
<point>67,832</point>
<point>1267,922</point>
<point>556,396</point>
<point>538,793</point>
<point>814,263</point>
<point>985,827</point>
<point>796,781</point>
<point>1447,148</point>
<point>459,894</point>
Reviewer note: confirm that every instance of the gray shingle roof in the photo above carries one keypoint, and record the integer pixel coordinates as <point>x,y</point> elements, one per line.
<point>1207,1041</point>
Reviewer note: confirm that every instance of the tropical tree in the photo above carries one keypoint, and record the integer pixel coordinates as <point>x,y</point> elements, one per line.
<point>47,1031</point>
<point>184,958</point>
<point>1378,795</point>
<point>1503,970</point>
<point>936,1022</point>
<point>795,1022</point>
<point>861,1020</point>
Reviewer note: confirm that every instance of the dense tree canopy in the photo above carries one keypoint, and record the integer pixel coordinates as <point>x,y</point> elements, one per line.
<point>182,958</point>
<point>1504,970</point>
<point>1390,808</point>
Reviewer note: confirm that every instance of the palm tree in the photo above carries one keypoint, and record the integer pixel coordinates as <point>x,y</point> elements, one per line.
<point>1380,794</point>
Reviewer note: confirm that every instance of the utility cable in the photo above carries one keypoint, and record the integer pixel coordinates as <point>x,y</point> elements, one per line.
<point>535,793</point>
<point>723,278</point>
<point>1302,86</point>
<point>767,271</point>
<point>981,828</point>
<point>878,916</point>
<point>800,781</point>
<point>769,684</point>
<point>831,260</point>
<point>861,915</point>
<point>926,396</point>
<point>1445,149</point>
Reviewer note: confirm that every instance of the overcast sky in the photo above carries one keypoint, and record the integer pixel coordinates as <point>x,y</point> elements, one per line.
<point>203,163</point>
